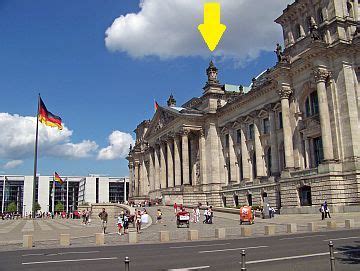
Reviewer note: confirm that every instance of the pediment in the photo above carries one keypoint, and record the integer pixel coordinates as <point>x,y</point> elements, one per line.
<point>160,120</point>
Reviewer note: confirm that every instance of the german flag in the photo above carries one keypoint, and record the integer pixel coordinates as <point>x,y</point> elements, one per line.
<point>156,105</point>
<point>48,118</point>
<point>58,179</point>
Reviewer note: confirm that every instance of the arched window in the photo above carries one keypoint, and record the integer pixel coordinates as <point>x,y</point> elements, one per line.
<point>320,15</point>
<point>305,195</point>
<point>349,8</point>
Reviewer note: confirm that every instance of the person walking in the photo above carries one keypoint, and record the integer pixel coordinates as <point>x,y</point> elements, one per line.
<point>211,215</point>
<point>120,223</point>
<point>327,210</point>
<point>206,216</point>
<point>322,211</point>
<point>158,216</point>
<point>175,208</point>
<point>138,221</point>
<point>197,211</point>
<point>194,215</point>
<point>126,222</point>
<point>104,218</point>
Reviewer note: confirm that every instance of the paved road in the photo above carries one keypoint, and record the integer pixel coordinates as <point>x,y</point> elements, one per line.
<point>295,252</point>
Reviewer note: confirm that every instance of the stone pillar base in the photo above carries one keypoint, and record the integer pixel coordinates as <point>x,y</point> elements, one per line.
<point>193,235</point>
<point>65,240</point>
<point>270,229</point>
<point>349,223</point>
<point>164,236</point>
<point>246,231</point>
<point>311,226</point>
<point>331,225</point>
<point>133,238</point>
<point>220,233</point>
<point>99,239</point>
<point>291,228</point>
<point>27,241</point>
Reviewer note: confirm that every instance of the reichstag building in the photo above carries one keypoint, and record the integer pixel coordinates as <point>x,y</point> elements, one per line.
<point>292,136</point>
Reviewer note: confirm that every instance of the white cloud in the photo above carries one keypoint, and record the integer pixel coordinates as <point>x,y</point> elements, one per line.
<point>118,148</point>
<point>168,29</point>
<point>12,164</point>
<point>17,138</point>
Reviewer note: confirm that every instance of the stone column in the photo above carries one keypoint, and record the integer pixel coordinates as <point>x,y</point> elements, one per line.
<point>170,162</point>
<point>284,93</point>
<point>307,152</point>
<point>320,77</point>
<point>202,151</point>
<point>157,166</point>
<point>136,178</point>
<point>162,165</point>
<point>151,170</point>
<point>212,152</point>
<point>185,157</point>
<point>274,145</point>
<point>193,160</point>
<point>259,151</point>
<point>232,156</point>
<point>244,154</point>
<point>312,153</point>
<point>177,161</point>
<point>131,179</point>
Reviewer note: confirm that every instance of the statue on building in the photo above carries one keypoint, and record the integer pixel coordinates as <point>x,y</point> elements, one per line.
<point>130,148</point>
<point>314,32</point>
<point>280,54</point>
<point>218,103</point>
<point>212,73</point>
<point>171,102</point>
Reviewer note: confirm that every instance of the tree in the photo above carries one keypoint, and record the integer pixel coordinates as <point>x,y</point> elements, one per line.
<point>11,208</point>
<point>59,207</point>
<point>37,207</point>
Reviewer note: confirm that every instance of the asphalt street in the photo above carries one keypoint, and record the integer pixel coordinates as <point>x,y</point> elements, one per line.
<point>286,252</point>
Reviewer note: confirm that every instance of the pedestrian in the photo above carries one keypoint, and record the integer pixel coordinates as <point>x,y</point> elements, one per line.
<point>120,223</point>
<point>211,215</point>
<point>126,222</point>
<point>158,216</point>
<point>197,214</point>
<point>194,215</point>
<point>104,217</point>
<point>322,211</point>
<point>327,210</point>
<point>206,216</point>
<point>138,221</point>
<point>175,208</point>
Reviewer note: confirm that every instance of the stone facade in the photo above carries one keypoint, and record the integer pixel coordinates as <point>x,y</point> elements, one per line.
<point>292,136</point>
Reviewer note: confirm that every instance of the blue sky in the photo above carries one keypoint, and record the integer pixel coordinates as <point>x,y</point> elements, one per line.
<point>57,48</point>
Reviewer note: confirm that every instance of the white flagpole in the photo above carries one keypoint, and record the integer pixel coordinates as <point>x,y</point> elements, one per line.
<point>53,197</point>
<point>3,196</point>
<point>67,196</point>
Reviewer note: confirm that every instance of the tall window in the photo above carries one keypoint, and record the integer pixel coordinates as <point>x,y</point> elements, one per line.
<point>238,136</point>
<point>280,120</point>
<point>227,141</point>
<point>318,150</point>
<point>297,31</point>
<point>253,163</point>
<point>266,126</point>
<point>320,16</point>
<point>268,160</point>
<point>312,104</point>
<point>251,131</point>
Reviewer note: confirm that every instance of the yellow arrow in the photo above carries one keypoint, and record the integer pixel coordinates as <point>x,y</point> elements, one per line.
<point>212,30</point>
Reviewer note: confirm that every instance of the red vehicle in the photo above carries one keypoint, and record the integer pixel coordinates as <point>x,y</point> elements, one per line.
<point>183,218</point>
<point>246,215</point>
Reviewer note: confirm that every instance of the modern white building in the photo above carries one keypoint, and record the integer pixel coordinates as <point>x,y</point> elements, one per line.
<point>74,191</point>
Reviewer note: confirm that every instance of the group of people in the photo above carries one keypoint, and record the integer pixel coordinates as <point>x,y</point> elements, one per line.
<point>324,210</point>
<point>208,213</point>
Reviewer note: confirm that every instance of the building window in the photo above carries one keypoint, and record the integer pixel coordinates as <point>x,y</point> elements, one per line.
<point>236,200</point>
<point>297,31</point>
<point>318,151</point>
<point>305,196</point>
<point>238,136</point>
<point>253,163</point>
<point>320,15</point>
<point>312,105</point>
<point>116,192</point>
<point>227,141</point>
<point>251,131</point>
<point>268,160</point>
<point>280,120</point>
<point>266,126</point>
<point>249,199</point>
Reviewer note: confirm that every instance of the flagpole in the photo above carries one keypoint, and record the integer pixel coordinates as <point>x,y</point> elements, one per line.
<point>3,196</point>
<point>35,156</point>
<point>53,197</point>
<point>67,196</point>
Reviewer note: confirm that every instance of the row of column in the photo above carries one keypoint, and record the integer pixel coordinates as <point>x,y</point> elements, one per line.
<point>170,163</point>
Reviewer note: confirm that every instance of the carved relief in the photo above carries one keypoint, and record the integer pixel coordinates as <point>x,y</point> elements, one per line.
<point>163,120</point>
<point>321,75</point>
<point>285,93</point>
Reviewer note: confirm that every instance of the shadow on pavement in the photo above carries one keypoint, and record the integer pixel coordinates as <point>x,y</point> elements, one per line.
<point>349,254</point>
